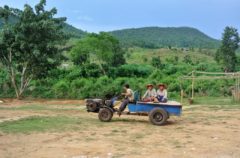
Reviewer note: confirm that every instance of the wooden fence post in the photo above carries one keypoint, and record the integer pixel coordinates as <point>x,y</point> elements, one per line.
<point>192,85</point>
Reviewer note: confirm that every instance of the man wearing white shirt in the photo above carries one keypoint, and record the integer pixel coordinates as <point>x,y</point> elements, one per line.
<point>150,94</point>
<point>161,93</point>
<point>128,97</point>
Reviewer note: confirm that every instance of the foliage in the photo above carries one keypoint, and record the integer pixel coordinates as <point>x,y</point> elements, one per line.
<point>29,46</point>
<point>102,49</point>
<point>68,29</point>
<point>156,62</point>
<point>133,70</point>
<point>87,81</point>
<point>226,55</point>
<point>96,65</point>
<point>187,59</point>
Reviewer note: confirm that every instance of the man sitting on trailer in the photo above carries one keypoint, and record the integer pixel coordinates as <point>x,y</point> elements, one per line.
<point>150,94</point>
<point>161,93</point>
<point>128,97</point>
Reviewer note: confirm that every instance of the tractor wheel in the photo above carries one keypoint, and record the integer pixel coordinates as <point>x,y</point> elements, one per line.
<point>158,116</point>
<point>105,114</point>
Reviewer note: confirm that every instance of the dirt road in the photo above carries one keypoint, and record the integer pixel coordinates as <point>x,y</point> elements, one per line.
<point>201,131</point>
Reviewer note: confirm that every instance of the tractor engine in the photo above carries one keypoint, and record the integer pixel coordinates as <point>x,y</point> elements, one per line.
<point>93,105</point>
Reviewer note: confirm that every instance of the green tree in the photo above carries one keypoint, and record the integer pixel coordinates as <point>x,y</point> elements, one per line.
<point>102,49</point>
<point>29,47</point>
<point>187,59</point>
<point>156,62</point>
<point>226,55</point>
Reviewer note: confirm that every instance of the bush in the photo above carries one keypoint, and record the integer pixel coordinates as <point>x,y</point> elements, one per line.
<point>61,89</point>
<point>156,62</point>
<point>6,89</point>
<point>133,70</point>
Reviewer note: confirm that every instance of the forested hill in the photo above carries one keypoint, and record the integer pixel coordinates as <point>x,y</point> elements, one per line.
<point>152,37</point>
<point>68,29</point>
<point>155,37</point>
<point>73,31</point>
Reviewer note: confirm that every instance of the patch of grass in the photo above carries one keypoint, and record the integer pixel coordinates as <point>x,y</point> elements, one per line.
<point>139,135</point>
<point>129,120</point>
<point>41,107</point>
<point>216,101</point>
<point>138,54</point>
<point>115,131</point>
<point>179,128</point>
<point>36,123</point>
<point>176,143</point>
<point>32,107</point>
<point>87,139</point>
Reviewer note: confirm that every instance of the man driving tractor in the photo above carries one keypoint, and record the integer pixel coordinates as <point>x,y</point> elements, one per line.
<point>128,96</point>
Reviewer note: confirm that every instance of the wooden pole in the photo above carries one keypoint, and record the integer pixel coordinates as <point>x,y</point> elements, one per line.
<point>235,90</point>
<point>238,88</point>
<point>181,96</point>
<point>192,85</point>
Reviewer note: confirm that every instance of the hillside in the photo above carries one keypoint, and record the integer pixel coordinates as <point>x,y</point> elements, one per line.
<point>67,28</point>
<point>73,31</point>
<point>157,37</point>
<point>152,37</point>
<point>144,56</point>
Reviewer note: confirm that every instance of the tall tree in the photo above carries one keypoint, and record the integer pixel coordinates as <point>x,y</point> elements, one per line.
<point>102,49</point>
<point>226,55</point>
<point>29,47</point>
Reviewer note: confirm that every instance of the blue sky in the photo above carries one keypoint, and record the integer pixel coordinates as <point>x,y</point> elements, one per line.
<point>209,16</point>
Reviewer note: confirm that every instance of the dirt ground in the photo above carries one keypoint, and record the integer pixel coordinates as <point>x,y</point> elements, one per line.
<point>200,132</point>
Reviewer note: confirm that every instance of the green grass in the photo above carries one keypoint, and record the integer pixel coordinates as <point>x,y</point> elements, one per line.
<point>214,102</point>
<point>83,122</point>
<point>140,55</point>
<point>37,107</point>
<point>40,124</point>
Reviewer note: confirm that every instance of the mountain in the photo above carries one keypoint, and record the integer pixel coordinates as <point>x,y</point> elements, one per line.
<point>157,37</point>
<point>73,31</point>
<point>67,28</point>
<point>152,37</point>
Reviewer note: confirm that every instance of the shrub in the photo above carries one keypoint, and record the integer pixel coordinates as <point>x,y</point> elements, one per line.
<point>133,70</point>
<point>61,89</point>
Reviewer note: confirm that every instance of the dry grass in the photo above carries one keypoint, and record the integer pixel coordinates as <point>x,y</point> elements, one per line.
<point>57,131</point>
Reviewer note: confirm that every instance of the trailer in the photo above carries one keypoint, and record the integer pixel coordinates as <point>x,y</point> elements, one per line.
<point>158,113</point>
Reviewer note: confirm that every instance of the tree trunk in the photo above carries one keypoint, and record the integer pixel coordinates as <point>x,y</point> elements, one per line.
<point>101,67</point>
<point>24,82</point>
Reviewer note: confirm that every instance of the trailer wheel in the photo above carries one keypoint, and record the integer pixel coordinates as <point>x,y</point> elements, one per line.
<point>105,114</point>
<point>158,116</point>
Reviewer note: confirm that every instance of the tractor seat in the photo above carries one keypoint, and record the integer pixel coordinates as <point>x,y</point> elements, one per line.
<point>136,97</point>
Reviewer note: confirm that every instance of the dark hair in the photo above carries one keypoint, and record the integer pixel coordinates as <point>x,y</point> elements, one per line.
<point>126,85</point>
